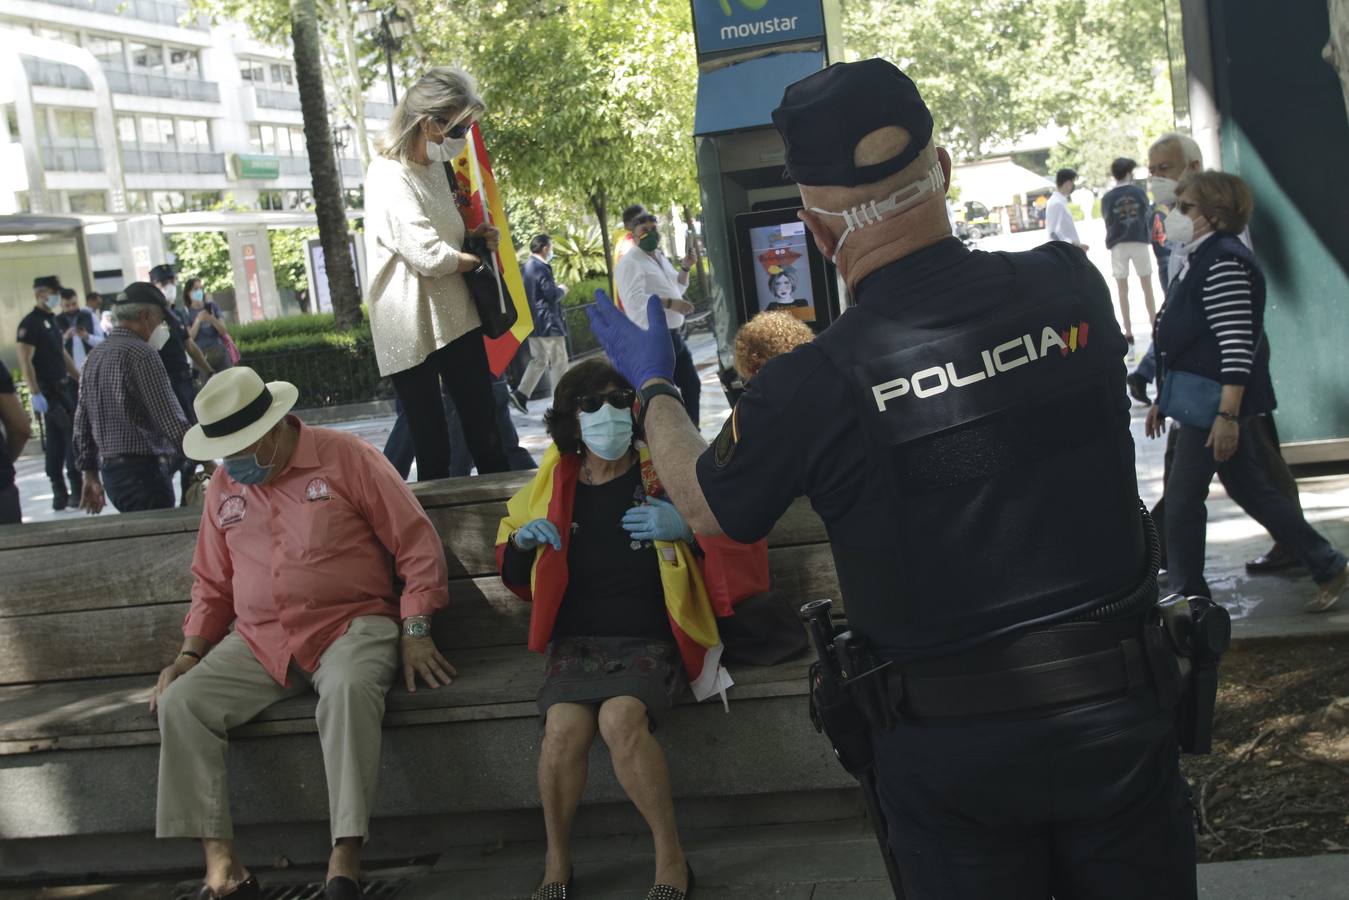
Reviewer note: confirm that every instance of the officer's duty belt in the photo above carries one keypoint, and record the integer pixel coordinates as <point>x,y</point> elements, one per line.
<point>1075,677</point>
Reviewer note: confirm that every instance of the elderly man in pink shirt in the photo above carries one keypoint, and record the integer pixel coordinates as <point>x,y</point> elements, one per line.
<point>301,535</point>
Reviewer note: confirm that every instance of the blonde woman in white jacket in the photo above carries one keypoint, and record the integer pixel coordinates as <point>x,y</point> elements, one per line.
<point>426,329</point>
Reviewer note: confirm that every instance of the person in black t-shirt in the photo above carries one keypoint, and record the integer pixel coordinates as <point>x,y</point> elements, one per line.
<point>14,434</point>
<point>1128,230</point>
<point>51,376</point>
<point>180,353</point>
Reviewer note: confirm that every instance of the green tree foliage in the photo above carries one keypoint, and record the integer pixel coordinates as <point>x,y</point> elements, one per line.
<point>589,101</point>
<point>997,70</point>
<point>288,256</point>
<point>204,255</point>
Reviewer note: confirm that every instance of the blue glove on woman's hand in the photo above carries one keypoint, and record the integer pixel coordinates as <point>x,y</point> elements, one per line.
<point>39,403</point>
<point>639,354</point>
<point>536,534</point>
<point>658,520</point>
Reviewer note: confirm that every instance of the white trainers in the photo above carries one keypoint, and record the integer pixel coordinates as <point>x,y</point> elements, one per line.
<point>1328,594</point>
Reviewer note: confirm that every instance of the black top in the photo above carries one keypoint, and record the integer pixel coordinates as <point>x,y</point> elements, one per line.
<point>1127,214</point>
<point>6,464</point>
<point>40,331</point>
<point>80,319</point>
<point>964,435</point>
<point>174,352</point>
<point>614,586</point>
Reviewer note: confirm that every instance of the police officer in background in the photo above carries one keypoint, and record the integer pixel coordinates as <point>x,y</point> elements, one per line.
<point>179,354</point>
<point>52,379</point>
<point>964,434</point>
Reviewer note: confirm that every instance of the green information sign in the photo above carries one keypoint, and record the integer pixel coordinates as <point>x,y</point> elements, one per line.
<point>258,166</point>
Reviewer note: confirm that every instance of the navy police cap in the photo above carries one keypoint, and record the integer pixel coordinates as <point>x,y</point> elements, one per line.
<point>823,116</point>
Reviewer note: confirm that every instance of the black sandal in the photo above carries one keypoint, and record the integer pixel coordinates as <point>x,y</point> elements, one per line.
<point>666,892</point>
<point>555,890</point>
<point>248,889</point>
<point>340,887</point>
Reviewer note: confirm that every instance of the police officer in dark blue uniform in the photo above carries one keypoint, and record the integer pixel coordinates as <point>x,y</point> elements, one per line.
<point>52,384</point>
<point>179,354</point>
<point>964,434</point>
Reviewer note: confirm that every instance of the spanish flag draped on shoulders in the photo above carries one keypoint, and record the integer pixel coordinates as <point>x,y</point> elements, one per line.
<point>693,617</point>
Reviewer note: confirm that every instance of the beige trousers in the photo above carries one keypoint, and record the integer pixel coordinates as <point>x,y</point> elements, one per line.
<point>546,354</point>
<point>230,687</point>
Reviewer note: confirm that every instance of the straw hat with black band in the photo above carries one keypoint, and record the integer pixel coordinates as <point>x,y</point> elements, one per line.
<point>234,411</point>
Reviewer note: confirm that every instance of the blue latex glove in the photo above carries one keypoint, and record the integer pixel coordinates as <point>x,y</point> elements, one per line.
<point>638,354</point>
<point>39,404</point>
<point>658,520</point>
<point>538,533</point>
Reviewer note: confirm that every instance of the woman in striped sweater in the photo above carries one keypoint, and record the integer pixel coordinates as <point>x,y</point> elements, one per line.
<point>1212,325</point>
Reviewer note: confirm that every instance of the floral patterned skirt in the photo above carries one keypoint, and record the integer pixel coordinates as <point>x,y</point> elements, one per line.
<point>590,670</point>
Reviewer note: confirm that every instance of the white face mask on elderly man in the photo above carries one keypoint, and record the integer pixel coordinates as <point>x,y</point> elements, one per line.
<point>873,211</point>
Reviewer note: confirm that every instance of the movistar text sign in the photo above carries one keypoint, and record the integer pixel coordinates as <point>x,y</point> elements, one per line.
<point>723,25</point>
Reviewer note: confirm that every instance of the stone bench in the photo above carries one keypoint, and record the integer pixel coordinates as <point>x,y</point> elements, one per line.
<point>91,609</point>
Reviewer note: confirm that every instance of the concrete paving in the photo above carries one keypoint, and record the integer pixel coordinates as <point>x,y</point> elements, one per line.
<point>820,861</point>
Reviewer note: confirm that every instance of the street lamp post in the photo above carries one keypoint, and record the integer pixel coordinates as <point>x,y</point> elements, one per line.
<point>388,28</point>
<point>341,138</point>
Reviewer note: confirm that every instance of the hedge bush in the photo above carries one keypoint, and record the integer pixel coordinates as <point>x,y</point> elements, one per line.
<point>328,367</point>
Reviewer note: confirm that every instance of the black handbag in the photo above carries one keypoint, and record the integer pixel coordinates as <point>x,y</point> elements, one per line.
<point>764,630</point>
<point>495,309</point>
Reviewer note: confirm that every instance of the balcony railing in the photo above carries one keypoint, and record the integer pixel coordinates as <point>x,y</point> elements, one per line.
<point>45,73</point>
<point>273,99</point>
<point>148,84</point>
<point>162,12</point>
<point>71,159</point>
<point>294,165</point>
<point>179,162</point>
<point>375,109</point>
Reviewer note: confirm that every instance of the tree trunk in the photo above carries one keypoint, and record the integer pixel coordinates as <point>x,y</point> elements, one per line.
<point>697,254</point>
<point>332,219</point>
<point>346,26</point>
<point>599,202</point>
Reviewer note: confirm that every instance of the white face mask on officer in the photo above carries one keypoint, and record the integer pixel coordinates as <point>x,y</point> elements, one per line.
<point>873,211</point>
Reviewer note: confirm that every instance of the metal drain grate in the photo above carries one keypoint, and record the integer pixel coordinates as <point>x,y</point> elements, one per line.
<point>379,889</point>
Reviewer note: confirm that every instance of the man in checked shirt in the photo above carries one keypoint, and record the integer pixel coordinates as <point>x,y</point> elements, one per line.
<point>129,425</point>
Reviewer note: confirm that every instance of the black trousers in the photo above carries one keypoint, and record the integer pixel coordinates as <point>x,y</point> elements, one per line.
<point>462,366</point>
<point>186,392</point>
<point>59,454</point>
<point>1088,804</point>
<point>686,376</point>
<point>1248,482</point>
<point>138,483</point>
<point>10,512</point>
<point>1265,442</point>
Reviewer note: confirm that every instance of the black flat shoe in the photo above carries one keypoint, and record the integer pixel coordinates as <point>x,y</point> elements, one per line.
<point>555,890</point>
<point>341,887</point>
<point>248,889</point>
<point>666,892</point>
<point>1138,388</point>
<point>1276,560</point>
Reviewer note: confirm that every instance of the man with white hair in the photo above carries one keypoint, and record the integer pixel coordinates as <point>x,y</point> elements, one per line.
<point>303,533</point>
<point>964,434</point>
<point>129,425</point>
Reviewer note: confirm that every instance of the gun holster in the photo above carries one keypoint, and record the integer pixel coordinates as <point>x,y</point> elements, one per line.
<point>1194,632</point>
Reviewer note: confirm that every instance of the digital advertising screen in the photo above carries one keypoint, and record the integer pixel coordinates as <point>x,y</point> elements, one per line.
<point>782,278</point>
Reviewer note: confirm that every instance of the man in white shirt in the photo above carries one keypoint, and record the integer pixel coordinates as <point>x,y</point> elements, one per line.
<point>645,270</point>
<point>1058,218</point>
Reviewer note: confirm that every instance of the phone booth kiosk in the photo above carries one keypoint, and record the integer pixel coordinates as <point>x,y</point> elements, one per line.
<point>760,254</point>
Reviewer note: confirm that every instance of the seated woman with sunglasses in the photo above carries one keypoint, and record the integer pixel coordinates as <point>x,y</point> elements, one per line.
<point>424,323</point>
<point>619,609</point>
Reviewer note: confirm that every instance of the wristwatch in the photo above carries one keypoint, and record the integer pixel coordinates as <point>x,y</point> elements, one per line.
<point>1229,416</point>
<point>417,626</point>
<point>649,393</point>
